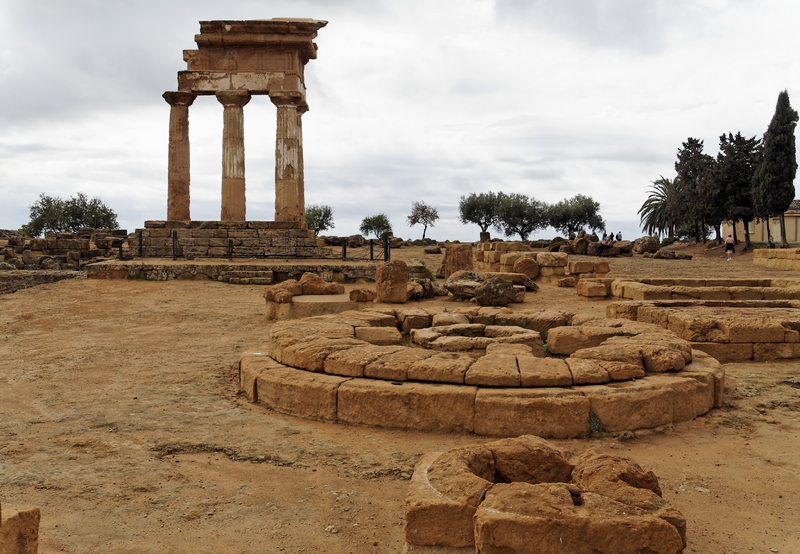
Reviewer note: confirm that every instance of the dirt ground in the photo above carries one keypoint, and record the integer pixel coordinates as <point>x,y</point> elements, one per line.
<point>120,419</point>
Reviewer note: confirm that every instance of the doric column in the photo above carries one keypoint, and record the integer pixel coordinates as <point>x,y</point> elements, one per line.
<point>233,198</point>
<point>178,174</point>
<point>289,185</point>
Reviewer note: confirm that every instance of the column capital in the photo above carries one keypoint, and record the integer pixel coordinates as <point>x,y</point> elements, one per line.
<point>233,98</point>
<point>296,99</point>
<point>179,98</point>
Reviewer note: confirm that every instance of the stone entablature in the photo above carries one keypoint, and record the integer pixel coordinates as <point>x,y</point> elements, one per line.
<point>235,60</point>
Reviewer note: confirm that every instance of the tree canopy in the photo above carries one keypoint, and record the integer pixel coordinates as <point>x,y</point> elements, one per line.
<point>518,214</point>
<point>773,188</point>
<point>51,213</point>
<point>319,217</point>
<point>737,162</point>
<point>696,196</point>
<point>422,214</point>
<point>576,213</point>
<point>480,209</point>
<point>375,225</point>
<point>654,215</point>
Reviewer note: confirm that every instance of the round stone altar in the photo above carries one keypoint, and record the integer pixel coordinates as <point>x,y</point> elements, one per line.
<point>487,371</point>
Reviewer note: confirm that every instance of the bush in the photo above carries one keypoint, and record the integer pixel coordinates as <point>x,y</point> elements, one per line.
<point>669,240</point>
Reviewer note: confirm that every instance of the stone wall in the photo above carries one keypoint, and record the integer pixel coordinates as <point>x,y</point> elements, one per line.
<point>784,258</point>
<point>59,250</point>
<point>12,281</point>
<point>216,239</point>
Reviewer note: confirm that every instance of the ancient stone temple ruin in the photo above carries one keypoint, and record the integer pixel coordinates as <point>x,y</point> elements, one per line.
<point>235,60</point>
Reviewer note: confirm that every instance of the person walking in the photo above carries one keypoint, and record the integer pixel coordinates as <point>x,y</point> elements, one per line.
<point>730,248</point>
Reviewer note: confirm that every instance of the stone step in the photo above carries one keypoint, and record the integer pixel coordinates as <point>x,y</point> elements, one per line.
<point>249,273</point>
<point>250,280</point>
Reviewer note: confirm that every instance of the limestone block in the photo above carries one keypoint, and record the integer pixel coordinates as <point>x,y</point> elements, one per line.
<point>445,367</point>
<point>492,257</point>
<point>512,277</point>
<point>495,370</point>
<point>487,314</point>
<point>519,296</point>
<point>511,247</point>
<point>693,395</point>
<point>591,288</point>
<point>726,352</point>
<point>19,531</point>
<point>543,372</point>
<point>581,267</point>
<point>552,259</point>
<point>311,355</point>
<point>628,405</point>
<point>703,363</point>
<point>528,459</point>
<point>566,340</point>
<point>518,517</point>
<point>394,366</point>
<point>776,351</point>
<point>287,333</point>
<point>510,258</point>
<point>391,279</point>
<point>457,257</point>
<point>554,413</point>
<point>433,519</point>
<point>600,267</point>
<point>412,406</point>
<point>413,319</point>
<point>251,365</point>
<point>299,393</point>
<point>350,362</point>
<point>540,321</point>
<point>587,371</point>
<point>460,344</point>
<point>449,319</point>
<point>361,318</point>
<point>527,266</point>
<point>495,292</point>
<point>379,335</point>
<point>753,329</point>
<point>548,271</point>
<point>362,295</point>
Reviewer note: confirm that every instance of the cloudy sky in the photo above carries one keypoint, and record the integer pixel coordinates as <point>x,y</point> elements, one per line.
<point>410,100</point>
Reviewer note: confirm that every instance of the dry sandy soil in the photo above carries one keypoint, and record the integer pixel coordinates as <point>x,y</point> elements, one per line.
<point>120,418</point>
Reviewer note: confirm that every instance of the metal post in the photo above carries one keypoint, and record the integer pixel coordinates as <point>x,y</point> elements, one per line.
<point>174,244</point>
<point>230,249</point>
<point>344,251</point>
<point>386,252</point>
<point>371,248</point>
<point>141,231</point>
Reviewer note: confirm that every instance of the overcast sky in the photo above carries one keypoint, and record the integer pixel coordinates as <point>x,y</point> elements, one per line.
<point>410,100</point>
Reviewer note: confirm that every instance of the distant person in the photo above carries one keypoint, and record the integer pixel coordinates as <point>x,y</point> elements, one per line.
<point>605,244</point>
<point>605,236</point>
<point>572,235</point>
<point>730,248</point>
<point>619,236</point>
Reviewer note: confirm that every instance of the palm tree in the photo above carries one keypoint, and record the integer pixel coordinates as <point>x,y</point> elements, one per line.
<point>655,217</point>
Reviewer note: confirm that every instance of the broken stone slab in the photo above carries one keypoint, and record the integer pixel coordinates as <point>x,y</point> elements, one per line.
<point>495,370</point>
<point>381,336</point>
<point>391,279</point>
<point>543,372</point>
<point>351,362</point>
<point>19,530</point>
<point>446,367</point>
<point>300,393</point>
<point>394,366</point>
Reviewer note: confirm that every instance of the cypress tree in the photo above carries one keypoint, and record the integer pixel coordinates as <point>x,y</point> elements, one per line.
<point>737,162</point>
<point>774,185</point>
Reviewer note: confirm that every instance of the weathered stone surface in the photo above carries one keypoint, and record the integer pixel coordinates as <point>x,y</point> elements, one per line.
<point>521,518</point>
<point>581,267</point>
<point>394,366</point>
<point>413,319</point>
<point>543,372</point>
<point>726,352</point>
<point>314,284</point>
<point>311,355</point>
<point>363,295</point>
<point>528,459</point>
<point>495,370</point>
<point>591,288</point>
<point>446,367</point>
<point>551,259</point>
<point>540,321</point>
<point>512,277</point>
<point>391,279</point>
<point>412,406</point>
<point>447,318</point>
<point>414,291</point>
<point>19,530</point>
<point>586,371</point>
<point>646,244</point>
<point>495,292</point>
<point>462,284</point>
<point>300,393</point>
<point>460,344</point>
<point>291,287</point>
<point>566,340</point>
<point>556,413</point>
<point>458,257</point>
<point>350,362</point>
<point>527,266</point>
<point>251,365</point>
<point>580,245</point>
<point>381,336</point>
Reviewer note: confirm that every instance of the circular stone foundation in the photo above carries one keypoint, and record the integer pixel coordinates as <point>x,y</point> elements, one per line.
<point>487,371</point>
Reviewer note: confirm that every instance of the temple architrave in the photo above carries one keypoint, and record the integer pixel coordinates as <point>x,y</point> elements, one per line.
<point>235,60</point>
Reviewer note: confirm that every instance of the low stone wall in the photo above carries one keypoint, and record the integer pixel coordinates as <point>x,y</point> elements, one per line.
<point>218,239</point>
<point>523,495</point>
<point>698,289</point>
<point>256,273</point>
<point>777,258</point>
<point>488,373</point>
<point>12,281</point>
<point>730,331</point>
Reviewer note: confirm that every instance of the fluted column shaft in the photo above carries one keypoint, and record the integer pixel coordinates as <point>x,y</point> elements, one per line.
<point>178,173</point>
<point>289,178</point>
<point>233,185</point>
